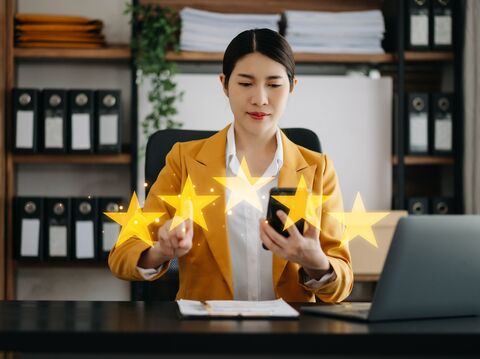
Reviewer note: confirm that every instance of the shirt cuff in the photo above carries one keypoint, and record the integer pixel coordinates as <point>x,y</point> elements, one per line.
<point>314,284</point>
<point>149,273</point>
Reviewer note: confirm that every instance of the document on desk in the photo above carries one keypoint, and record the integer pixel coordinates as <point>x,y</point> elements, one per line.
<point>236,309</point>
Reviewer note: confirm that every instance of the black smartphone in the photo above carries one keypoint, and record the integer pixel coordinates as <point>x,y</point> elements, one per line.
<point>274,206</point>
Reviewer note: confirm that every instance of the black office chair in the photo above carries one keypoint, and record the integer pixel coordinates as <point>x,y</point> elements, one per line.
<point>158,146</point>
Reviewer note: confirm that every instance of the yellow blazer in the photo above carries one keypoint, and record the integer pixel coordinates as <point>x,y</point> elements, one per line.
<point>206,271</point>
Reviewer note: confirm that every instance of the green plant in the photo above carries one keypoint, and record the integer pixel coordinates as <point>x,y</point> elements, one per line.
<point>156,33</point>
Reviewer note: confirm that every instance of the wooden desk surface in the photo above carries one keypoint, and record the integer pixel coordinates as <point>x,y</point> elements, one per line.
<point>69,326</point>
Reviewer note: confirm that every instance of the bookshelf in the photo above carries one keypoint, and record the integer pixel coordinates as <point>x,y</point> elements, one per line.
<point>112,55</point>
<point>396,61</point>
<point>403,66</point>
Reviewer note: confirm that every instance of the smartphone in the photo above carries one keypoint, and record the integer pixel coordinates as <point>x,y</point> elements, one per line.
<point>274,206</point>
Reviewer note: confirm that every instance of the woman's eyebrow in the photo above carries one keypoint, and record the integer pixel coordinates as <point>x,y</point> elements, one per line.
<point>273,77</point>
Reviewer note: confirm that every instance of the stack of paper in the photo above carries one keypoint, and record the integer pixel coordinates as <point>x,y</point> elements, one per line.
<point>35,30</point>
<point>236,308</point>
<point>212,32</point>
<point>335,32</point>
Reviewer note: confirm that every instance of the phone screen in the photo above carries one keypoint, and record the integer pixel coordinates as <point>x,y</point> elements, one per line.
<point>274,206</point>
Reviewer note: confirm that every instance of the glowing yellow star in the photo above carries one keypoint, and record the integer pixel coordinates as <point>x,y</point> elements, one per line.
<point>134,222</point>
<point>188,205</point>
<point>302,205</point>
<point>243,187</point>
<point>358,222</point>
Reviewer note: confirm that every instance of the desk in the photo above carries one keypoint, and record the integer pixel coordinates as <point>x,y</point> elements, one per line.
<point>141,327</point>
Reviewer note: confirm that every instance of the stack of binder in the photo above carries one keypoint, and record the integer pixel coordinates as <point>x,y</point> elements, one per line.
<point>355,32</point>
<point>58,31</point>
<point>66,120</point>
<point>211,32</point>
<point>64,228</point>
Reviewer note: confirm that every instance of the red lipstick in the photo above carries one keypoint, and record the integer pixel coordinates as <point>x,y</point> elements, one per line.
<point>258,115</point>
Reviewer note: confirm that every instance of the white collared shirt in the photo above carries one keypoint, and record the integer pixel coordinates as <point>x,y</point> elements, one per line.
<point>251,263</point>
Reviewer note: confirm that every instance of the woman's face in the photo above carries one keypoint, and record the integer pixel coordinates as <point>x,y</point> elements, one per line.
<point>258,91</point>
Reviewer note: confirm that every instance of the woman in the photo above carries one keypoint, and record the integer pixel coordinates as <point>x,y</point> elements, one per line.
<point>225,259</point>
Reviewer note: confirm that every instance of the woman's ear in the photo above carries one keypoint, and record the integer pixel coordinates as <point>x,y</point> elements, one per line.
<point>222,80</point>
<point>295,81</point>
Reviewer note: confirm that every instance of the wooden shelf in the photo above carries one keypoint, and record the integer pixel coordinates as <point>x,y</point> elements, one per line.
<point>426,160</point>
<point>186,56</point>
<point>301,57</point>
<point>112,52</point>
<point>428,56</point>
<point>72,159</point>
<point>366,277</point>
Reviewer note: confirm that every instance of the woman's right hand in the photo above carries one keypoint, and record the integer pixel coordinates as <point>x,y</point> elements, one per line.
<point>176,242</point>
<point>170,243</point>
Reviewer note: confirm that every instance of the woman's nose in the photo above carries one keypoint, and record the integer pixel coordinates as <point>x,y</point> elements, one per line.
<point>259,96</point>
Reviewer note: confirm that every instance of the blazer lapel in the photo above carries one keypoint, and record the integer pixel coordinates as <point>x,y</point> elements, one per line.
<point>294,166</point>
<point>209,163</point>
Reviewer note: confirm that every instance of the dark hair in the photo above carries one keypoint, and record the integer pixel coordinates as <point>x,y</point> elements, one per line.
<point>264,41</point>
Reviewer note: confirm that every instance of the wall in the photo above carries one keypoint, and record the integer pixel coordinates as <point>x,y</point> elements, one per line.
<point>350,114</point>
<point>76,180</point>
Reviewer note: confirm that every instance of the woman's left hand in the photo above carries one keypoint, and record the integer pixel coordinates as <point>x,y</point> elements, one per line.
<point>302,249</point>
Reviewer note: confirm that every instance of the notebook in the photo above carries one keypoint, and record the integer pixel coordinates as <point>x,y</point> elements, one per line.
<point>236,309</point>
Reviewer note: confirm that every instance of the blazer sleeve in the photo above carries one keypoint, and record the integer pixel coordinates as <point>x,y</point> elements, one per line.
<point>331,232</point>
<point>123,260</point>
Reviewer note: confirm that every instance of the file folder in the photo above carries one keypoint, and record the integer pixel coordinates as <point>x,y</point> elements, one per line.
<point>25,124</point>
<point>109,229</point>
<point>54,121</point>
<point>58,228</point>
<point>108,121</point>
<point>418,205</point>
<point>84,234</point>
<point>442,205</point>
<point>81,115</point>
<point>442,124</point>
<point>442,24</point>
<point>417,124</point>
<point>418,15</point>
<point>28,228</point>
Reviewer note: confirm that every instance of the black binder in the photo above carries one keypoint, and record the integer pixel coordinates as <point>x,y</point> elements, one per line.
<point>417,24</point>
<point>80,124</point>
<point>25,123</point>
<point>109,229</point>
<point>108,121</point>
<point>54,121</point>
<point>442,25</point>
<point>84,233</point>
<point>418,205</point>
<point>442,205</point>
<point>417,124</point>
<point>57,233</point>
<point>28,228</point>
<point>442,124</point>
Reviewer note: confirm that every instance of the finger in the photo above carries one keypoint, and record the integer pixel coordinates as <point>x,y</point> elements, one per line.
<point>267,241</point>
<point>173,239</point>
<point>189,205</point>
<point>180,230</point>
<point>279,240</point>
<point>163,231</point>
<point>311,231</point>
<point>292,230</point>
<point>185,243</point>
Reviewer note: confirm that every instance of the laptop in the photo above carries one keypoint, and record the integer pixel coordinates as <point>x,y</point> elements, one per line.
<point>432,270</point>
